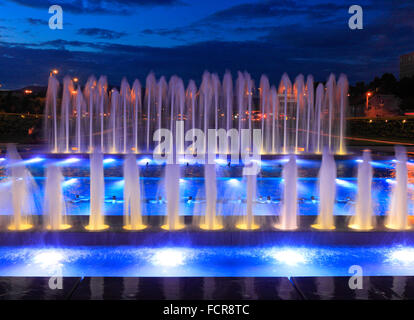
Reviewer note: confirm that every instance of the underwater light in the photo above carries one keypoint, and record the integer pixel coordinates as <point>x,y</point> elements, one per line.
<point>345,183</point>
<point>144,161</point>
<point>34,160</point>
<point>108,160</point>
<point>69,182</point>
<point>392,181</point>
<point>69,161</point>
<point>2,159</point>
<point>359,160</point>
<point>221,161</point>
<point>290,257</point>
<point>119,184</point>
<point>48,258</point>
<point>234,182</point>
<point>403,255</point>
<point>168,257</point>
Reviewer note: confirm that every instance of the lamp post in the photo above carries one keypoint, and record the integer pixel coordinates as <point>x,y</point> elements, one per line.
<point>368,95</point>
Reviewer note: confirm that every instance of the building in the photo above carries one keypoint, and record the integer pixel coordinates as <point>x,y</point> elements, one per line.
<point>407,65</point>
<point>383,105</point>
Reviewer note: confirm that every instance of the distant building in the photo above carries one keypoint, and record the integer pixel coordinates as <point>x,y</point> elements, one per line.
<point>383,105</point>
<point>407,65</point>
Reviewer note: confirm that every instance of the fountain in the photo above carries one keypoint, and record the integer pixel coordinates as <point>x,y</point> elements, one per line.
<point>132,195</point>
<point>54,203</point>
<point>288,216</point>
<point>172,187</point>
<point>248,221</point>
<point>21,192</point>
<point>210,219</point>
<point>327,192</point>
<point>124,121</point>
<point>397,217</point>
<point>364,218</point>
<point>96,218</point>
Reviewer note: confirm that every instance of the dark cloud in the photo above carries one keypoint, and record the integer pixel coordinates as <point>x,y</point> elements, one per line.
<point>36,22</point>
<point>317,43</point>
<point>275,9</point>
<point>97,6</point>
<point>101,33</point>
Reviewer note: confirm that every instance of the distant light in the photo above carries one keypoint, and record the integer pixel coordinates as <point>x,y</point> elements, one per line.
<point>290,257</point>
<point>48,258</point>
<point>403,255</point>
<point>359,160</point>
<point>69,182</point>
<point>169,258</point>
<point>108,160</point>
<point>392,181</point>
<point>2,159</point>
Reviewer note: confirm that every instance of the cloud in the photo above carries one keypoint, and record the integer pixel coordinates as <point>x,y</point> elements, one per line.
<point>97,6</point>
<point>101,33</point>
<point>36,22</point>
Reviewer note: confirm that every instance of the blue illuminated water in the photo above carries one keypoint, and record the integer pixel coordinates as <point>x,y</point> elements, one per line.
<point>230,186</point>
<point>205,261</point>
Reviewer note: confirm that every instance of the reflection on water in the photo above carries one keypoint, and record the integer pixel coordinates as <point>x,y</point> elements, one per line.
<point>205,261</point>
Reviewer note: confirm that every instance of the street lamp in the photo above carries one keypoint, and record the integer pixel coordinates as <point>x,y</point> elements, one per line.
<point>369,94</point>
<point>54,72</point>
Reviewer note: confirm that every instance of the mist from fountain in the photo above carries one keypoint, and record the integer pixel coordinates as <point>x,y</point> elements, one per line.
<point>364,216</point>
<point>54,202</point>
<point>397,217</point>
<point>211,221</point>
<point>21,192</point>
<point>248,220</point>
<point>133,219</point>
<point>97,190</point>
<point>288,219</point>
<point>327,192</point>
<point>172,188</point>
<point>124,121</point>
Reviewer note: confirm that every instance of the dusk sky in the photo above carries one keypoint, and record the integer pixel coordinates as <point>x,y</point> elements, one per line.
<point>185,37</point>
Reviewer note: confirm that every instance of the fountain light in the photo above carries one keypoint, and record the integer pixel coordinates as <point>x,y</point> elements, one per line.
<point>220,161</point>
<point>346,184</point>
<point>33,160</point>
<point>48,258</point>
<point>144,161</point>
<point>169,257</point>
<point>403,255</point>
<point>234,182</point>
<point>69,182</point>
<point>291,257</point>
<point>215,226</point>
<point>177,227</point>
<point>69,161</point>
<point>20,227</point>
<point>245,226</point>
<point>109,160</point>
